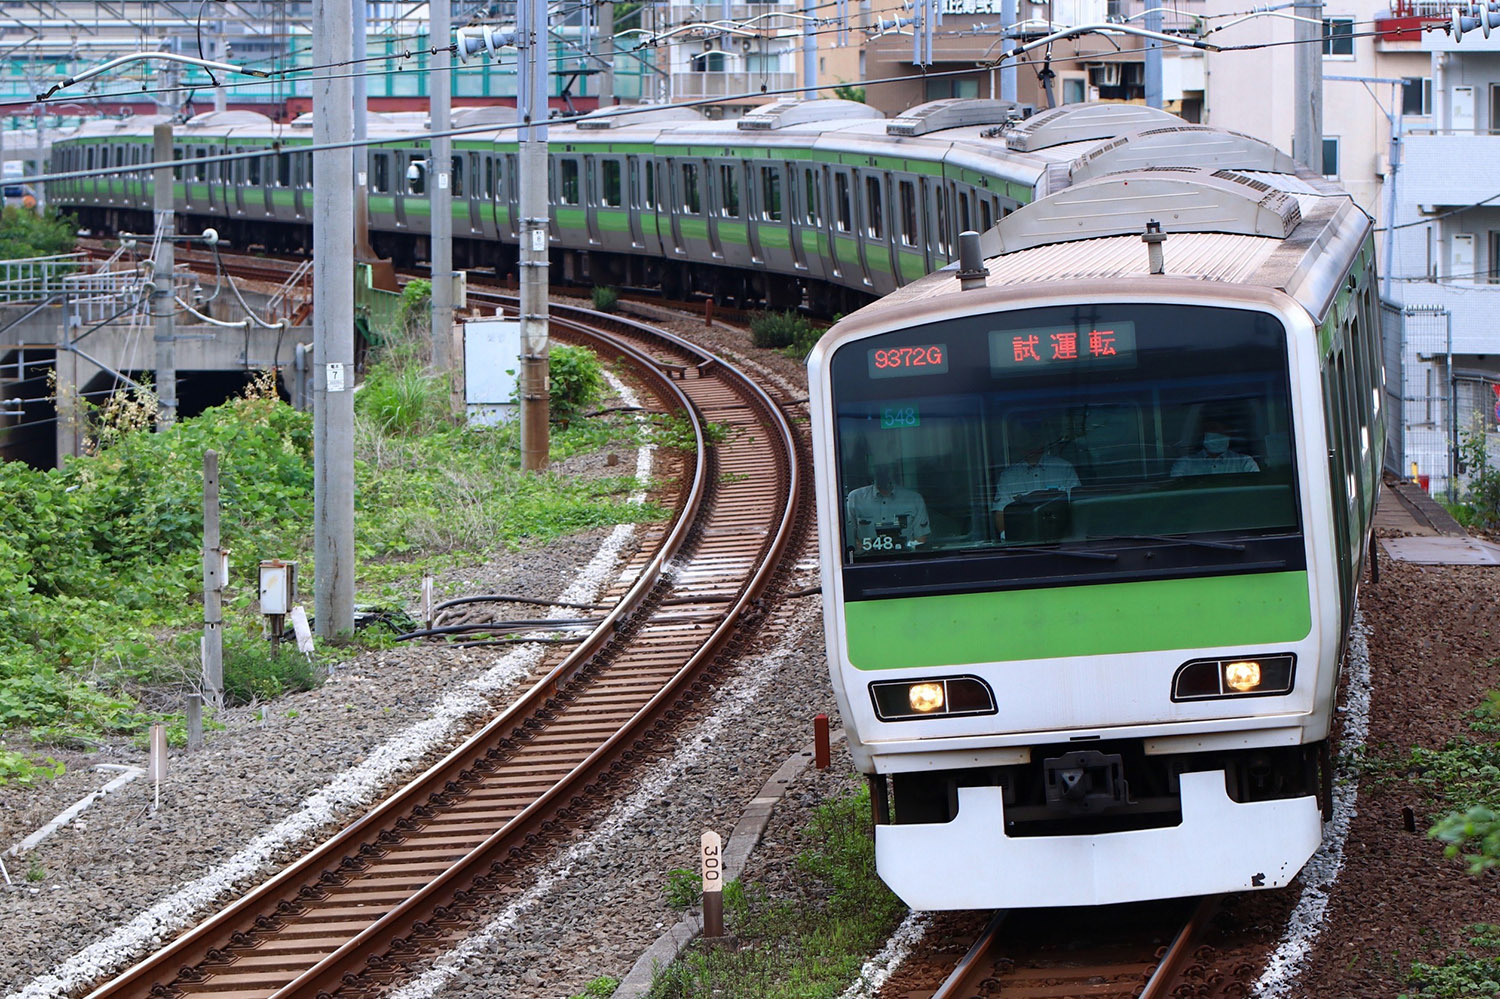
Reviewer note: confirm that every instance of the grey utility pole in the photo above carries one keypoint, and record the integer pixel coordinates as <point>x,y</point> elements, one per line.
<point>809,50</point>
<point>531,104</point>
<point>607,53</point>
<point>1154,93</point>
<point>1307,86</point>
<point>163,297</point>
<point>333,325</point>
<point>439,191</point>
<point>358,11</point>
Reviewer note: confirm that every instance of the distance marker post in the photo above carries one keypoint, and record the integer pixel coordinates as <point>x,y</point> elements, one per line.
<point>713,884</point>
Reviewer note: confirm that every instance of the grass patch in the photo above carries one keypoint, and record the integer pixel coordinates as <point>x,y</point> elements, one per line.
<point>600,988</point>
<point>1467,972</point>
<point>810,946</point>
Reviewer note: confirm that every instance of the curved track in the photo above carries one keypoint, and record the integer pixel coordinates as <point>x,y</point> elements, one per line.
<point>402,882</point>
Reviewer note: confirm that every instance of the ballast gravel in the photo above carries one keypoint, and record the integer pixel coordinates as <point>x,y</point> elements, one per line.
<point>277,778</point>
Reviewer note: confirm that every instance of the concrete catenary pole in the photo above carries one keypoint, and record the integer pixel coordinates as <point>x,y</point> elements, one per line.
<point>333,325</point>
<point>1008,88</point>
<point>606,44</point>
<point>809,50</point>
<point>359,17</point>
<point>213,583</point>
<point>163,300</point>
<point>1154,95</point>
<point>440,189</point>
<point>1307,87</point>
<point>531,102</point>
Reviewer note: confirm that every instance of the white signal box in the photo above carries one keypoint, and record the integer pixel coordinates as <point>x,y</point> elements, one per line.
<point>278,586</point>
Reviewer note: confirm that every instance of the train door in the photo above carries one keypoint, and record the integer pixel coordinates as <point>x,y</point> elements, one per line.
<point>724,194</point>
<point>512,198</point>
<point>913,255</point>
<point>593,191</point>
<point>759,194</point>
<point>796,215</point>
<point>234,193</point>
<point>867,220</point>
<point>843,247</point>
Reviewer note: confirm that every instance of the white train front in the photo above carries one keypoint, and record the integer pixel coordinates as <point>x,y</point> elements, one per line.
<point>1092,519</point>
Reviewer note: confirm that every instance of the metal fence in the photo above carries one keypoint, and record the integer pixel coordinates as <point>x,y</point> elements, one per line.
<point>36,279</point>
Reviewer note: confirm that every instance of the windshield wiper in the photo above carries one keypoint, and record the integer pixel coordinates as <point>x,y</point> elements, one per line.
<point>1227,546</point>
<point>1098,556</point>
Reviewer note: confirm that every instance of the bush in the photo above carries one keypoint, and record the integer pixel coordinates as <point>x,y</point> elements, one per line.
<point>24,233</point>
<point>1483,500</point>
<point>253,673</point>
<point>577,381</point>
<point>605,299</point>
<point>777,330</point>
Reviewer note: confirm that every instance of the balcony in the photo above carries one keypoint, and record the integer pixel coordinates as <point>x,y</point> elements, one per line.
<point>693,86</point>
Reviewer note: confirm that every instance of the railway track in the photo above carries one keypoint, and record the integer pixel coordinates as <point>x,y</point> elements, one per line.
<point>1143,951</point>
<point>404,881</point>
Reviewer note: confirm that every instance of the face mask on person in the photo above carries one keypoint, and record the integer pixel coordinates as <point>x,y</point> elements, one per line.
<point>1215,444</point>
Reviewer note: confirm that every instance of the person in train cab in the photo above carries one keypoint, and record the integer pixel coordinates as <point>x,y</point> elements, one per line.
<point>1037,471</point>
<point>1214,456</point>
<point>886,516</point>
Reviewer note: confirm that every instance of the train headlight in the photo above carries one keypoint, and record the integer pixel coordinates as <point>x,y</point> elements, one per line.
<point>925,697</point>
<point>1242,676</point>
<point>945,697</point>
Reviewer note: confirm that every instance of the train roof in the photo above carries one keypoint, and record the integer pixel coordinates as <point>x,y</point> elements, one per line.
<point>1291,231</point>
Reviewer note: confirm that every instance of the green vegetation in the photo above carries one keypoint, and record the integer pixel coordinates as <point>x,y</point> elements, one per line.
<point>24,233</point>
<point>789,332</point>
<point>100,571</point>
<point>605,298</point>
<point>600,988</point>
<point>849,92</point>
<point>1463,780</point>
<point>684,888</point>
<point>1464,973</point>
<point>1481,505</point>
<point>577,381</point>
<point>809,946</point>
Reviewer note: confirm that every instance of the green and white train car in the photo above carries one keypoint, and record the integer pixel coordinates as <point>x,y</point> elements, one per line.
<point>1092,523</point>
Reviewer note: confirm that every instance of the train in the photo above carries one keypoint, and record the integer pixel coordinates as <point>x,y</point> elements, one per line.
<point>1094,506</point>
<point>823,203</point>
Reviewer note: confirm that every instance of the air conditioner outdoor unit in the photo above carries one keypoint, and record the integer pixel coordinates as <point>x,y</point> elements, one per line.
<point>1108,75</point>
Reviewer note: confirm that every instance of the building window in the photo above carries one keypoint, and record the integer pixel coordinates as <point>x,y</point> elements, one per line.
<point>1074,90</point>
<point>1416,95</point>
<point>1330,157</point>
<point>1338,36</point>
<point>941,87</point>
<point>709,62</point>
<point>1493,271</point>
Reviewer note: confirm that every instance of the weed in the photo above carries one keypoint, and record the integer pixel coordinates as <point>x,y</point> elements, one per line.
<point>684,888</point>
<point>252,672</point>
<point>778,330</point>
<point>606,299</point>
<point>600,988</point>
<point>17,768</point>
<point>576,381</point>
<point>1462,973</point>
<point>35,871</point>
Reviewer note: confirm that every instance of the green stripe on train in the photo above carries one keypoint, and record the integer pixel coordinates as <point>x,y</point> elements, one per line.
<point>1269,609</point>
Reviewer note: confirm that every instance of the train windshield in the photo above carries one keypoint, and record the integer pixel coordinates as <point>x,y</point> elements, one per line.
<point>1106,440</point>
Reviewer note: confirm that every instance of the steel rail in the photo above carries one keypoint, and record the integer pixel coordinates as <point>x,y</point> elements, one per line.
<point>215,934</point>
<point>975,965</point>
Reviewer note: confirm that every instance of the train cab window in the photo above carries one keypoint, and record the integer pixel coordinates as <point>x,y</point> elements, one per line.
<point>729,191</point>
<point>811,204</point>
<point>843,205</point>
<point>380,173</point>
<point>416,176</point>
<point>908,213</point>
<point>458,176</point>
<point>874,204</point>
<point>770,193</point>
<point>1065,443</point>
<point>692,203</point>
<point>611,184</point>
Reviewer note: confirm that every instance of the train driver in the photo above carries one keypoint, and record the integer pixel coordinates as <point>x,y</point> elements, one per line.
<point>885,516</point>
<point>1036,471</point>
<point>1214,457</point>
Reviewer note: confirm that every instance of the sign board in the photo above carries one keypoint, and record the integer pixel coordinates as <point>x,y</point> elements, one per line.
<point>713,862</point>
<point>335,377</point>
<point>492,370</point>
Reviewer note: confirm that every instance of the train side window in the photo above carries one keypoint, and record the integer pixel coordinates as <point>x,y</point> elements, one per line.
<point>252,169</point>
<point>810,178</point>
<point>380,173</point>
<point>611,185</point>
<point>874,203</point>
<point>965,221</point>
<point>567,182</point>
<point>985,218</point>
<point>691,203</point>
<point>200,169</point>
<point>284,169</point>
<point>908,213</point>
<point>770,193</point>
<point>648,195</point>
<point>729,188</point>
<point>88,158</point>
<point>458,176</point>
<point>489,178</point>
<point>177,157</point>
<point>416,177</point>
<point>944,239</point>
<point>842,204</point>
